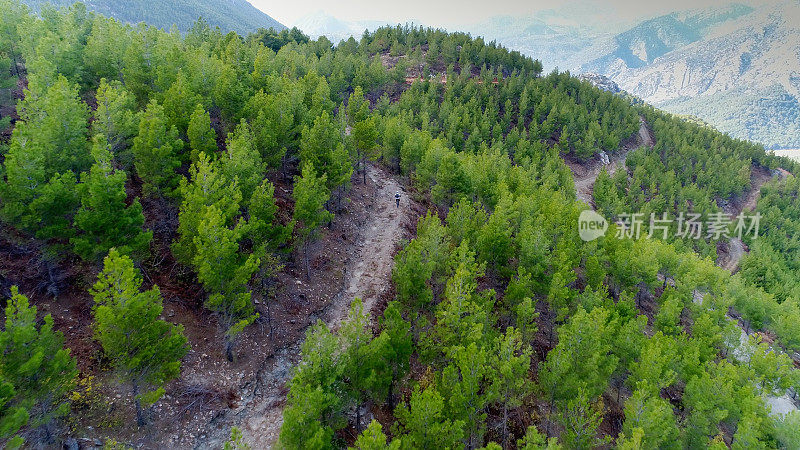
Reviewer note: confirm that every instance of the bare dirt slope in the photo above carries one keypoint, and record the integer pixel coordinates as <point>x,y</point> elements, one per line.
<point>353,257</point>
<point>585,174</point>
<point>730,253</point>
<point>365,273</point>
<point>369,277</point>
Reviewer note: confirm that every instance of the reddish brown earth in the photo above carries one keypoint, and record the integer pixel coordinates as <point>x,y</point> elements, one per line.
<point>353,257</point>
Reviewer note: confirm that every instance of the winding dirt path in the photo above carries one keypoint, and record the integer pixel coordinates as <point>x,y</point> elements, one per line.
<point>732,252</point>
<point>367,276</point>
<point>585,174</point>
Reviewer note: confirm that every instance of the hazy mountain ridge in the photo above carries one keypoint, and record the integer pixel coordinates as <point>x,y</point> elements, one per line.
<point>743,76</point>
<point>320,23</point>
<point>230,15</point>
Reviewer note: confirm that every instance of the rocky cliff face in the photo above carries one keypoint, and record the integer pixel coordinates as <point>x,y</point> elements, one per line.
<point>741,73</point>
<point>601,82</point>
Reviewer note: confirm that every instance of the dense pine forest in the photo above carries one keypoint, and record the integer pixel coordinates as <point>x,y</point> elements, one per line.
<point>164,196</point>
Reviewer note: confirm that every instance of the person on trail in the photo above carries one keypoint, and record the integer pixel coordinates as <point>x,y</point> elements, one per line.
<point>397,199</point>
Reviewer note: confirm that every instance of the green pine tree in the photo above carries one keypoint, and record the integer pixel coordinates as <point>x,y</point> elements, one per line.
<point>12,418</point>
<point>156,152</point>
<point>310,195</point>
<point>207,185</point>
<point>202,138</point>
<point>508,378</point>
<point>373,438</point>
<point>115,118</point>
<point>242,160</point>
<point>424,424</point>
<point>144,349</point>
<point>104,219</point>
<point>225,273</point>
<point>35,363</point>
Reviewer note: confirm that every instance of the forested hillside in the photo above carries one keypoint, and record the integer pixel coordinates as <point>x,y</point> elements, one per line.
<point>230,15</point>
<point>177,209</point>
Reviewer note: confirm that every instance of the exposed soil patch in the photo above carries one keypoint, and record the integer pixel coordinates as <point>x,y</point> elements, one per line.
<point>585,173</point>
<point>353,259</point>
<point>730,253</point>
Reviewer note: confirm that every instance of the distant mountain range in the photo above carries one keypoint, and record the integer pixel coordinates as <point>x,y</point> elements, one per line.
<point>230,15</point>
<point>737,68</point>
<point>322,24</point>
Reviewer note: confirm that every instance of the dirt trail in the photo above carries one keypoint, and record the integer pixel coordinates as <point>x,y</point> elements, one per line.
<point>585,174</point>
<point>368,276</point>
<point>730,253</point>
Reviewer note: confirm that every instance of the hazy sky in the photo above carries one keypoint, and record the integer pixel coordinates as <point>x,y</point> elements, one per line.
<point>451,14</point>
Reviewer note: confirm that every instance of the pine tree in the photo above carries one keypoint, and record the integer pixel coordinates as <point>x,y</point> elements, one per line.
<point>774,371</point>
<point>321,146</point>
<point>202,138</point>
<point>56,121</point>
<point>272,118</point>
<point>412,270</point>
<point>461,385</point>
<point>229,93</point>
<point>462,318</point>
<point>104,220</point>
<point>12,418</point>
<point>357,106</point>
<point>423,423</point>
<point>236,441</point>
<point>145,350</point>
<point>48,142</point>
<point>35,363</point>
<point>581,418</point>
<point>207,185</point>
<point>156,152</point>
<point>653,415</point>
<point>242,161</point>
<point>787,429</point>
<point>310,195</point>
<point>321,99</point>
<point>582,357</point>
<point>749,434</point>
<point>264,229</point>
<point>451,180</point>
<point>55,205</point>
<point>179,103</point>
<point>373,439</point>
<point>314,406</point>
<point>225,273</point>
<point>534,440</point>
<point>25,174</point>
<point>395,346</point>
<point>105,49</point>
<point>115,117</point>
<point>358,359</point>
<point>509,383</point>
<point>365,138</point>
<point>526,315</point>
